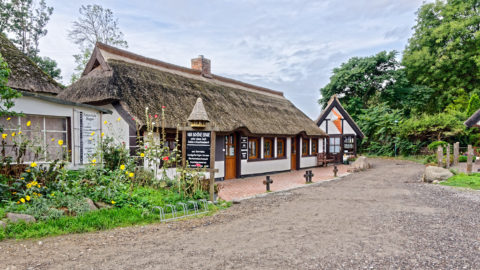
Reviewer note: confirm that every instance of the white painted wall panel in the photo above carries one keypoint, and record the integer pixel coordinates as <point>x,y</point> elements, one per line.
<point>116,126</point>
<point>306,162</point>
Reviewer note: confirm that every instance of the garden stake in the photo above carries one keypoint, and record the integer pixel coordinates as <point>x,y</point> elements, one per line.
<point>335,170</point>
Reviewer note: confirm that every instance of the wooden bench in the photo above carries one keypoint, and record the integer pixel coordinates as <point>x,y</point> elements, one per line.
<point>324,158</point>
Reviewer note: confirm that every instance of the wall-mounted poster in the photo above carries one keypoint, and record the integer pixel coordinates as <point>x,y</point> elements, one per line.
<point>88,125</point>
<point>198,148</point>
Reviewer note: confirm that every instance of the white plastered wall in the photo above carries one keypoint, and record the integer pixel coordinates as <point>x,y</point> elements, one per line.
<point>116,126</point>
<point>265,166</point>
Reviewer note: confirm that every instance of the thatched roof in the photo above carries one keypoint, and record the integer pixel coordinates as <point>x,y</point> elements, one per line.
<point>335,103</point>
<point>199,113</point>
<point>25,75</point>
<point>114,75</point>
<point>473,120</point>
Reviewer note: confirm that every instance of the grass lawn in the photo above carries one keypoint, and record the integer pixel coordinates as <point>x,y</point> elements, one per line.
<point>463,180</point>
<point>92,221</point>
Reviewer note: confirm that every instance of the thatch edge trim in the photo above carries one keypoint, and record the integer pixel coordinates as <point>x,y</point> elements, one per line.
<point>473,120</point>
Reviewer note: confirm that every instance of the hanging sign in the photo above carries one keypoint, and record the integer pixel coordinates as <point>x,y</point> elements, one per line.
<point>198,148</point>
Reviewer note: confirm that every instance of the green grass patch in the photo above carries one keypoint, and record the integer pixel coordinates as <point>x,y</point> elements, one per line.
<point>92,221</point>
<point>463,180</point>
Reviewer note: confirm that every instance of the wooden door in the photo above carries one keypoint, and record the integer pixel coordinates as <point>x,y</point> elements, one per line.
<point>230,157</point>
<point>293,156</point>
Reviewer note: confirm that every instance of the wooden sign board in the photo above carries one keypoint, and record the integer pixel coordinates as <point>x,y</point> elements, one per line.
<point>198,148</point>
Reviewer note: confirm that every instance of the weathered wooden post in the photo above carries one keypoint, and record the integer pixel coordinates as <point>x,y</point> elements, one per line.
<point>440,156</point>
<point>456,153</point>
<point>267,182</point>
<point>447,161</point>
<point>335,170</point>
<point>469,159</point>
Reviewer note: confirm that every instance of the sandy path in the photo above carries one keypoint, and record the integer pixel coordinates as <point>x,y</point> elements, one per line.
<point>381,218</point>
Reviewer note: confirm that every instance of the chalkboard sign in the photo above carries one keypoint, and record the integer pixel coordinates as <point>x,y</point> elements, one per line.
<point>244,147</point>
<point>198,148</point>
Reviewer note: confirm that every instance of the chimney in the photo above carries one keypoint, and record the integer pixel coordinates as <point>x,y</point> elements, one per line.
<point>203,64</point>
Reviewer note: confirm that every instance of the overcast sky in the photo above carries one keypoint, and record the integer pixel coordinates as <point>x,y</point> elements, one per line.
<point>286,45</point>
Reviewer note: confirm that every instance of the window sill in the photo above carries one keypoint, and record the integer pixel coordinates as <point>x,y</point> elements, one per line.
<point>265,159</point>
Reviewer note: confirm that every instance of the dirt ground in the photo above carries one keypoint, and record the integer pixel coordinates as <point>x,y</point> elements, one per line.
<point>383,218</point>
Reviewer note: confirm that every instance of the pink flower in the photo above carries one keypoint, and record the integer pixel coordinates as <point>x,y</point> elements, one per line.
<point>165,158</point>
<point>198,165</point>
<point>163,107</point>
<point>133,119</point>
<point>146,147</point>
<point>156,115</point>
<point>149,116</point>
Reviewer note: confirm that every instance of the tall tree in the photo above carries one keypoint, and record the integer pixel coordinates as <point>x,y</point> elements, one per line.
<point>7,94</point>
<point>26,21</point>
<point>443,53</point>
<point>95,24</point>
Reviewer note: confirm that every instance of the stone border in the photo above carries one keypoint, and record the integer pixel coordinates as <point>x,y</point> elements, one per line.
<point>293,188</point>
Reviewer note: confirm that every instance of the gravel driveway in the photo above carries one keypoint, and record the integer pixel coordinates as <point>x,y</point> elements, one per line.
<point>383,218</point>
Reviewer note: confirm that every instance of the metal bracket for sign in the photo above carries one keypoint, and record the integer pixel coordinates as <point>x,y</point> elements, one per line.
<point>191,208</point>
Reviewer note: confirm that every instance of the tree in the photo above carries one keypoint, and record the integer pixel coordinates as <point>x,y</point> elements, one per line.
<point>443,52</point>
<point>49,66</point>
<point>27,22</point>
<point>7,94</point>
<point>95,24</point>
<point>473,105</point>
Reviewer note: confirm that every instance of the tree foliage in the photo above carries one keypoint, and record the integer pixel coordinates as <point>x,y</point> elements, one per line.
<point>26,21</point>
<point>95,24</point>
<point>443,52</point>
<point>473,105</point>
<point>7,94</point>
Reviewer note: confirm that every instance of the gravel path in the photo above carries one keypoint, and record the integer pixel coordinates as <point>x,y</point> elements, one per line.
<point>383,218</point>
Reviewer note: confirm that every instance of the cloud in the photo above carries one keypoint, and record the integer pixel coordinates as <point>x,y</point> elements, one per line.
<point>287,45</point>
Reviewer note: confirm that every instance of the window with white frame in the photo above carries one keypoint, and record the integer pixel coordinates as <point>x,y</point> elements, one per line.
<point>43,138</point>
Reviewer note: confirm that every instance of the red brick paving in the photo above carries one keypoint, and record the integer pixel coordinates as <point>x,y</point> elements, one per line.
<point>250,186</point>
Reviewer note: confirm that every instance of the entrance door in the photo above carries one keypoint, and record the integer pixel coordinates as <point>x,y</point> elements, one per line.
<point>335,147</point>
<point>230,156</point>
<point>293,156</point>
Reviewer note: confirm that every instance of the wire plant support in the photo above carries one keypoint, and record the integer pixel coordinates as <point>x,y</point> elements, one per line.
<point>181,210</point>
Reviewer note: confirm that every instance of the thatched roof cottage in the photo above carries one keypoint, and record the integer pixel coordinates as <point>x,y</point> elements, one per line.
<point>272,126</point>
<point>50,118</point>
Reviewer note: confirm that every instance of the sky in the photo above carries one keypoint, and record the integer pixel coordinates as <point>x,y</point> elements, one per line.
<point>290,46</point>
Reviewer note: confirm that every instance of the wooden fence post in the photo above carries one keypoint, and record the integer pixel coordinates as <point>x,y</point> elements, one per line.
<point>469,159</point>
<point>440,156</point>
<point>447,161</point>
<point>456,153</point>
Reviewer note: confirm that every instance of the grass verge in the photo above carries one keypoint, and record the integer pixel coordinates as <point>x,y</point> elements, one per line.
<point>93,221</point>
<point>463,180</point>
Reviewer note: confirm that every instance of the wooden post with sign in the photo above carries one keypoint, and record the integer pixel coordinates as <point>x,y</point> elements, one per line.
<point>198,144</point>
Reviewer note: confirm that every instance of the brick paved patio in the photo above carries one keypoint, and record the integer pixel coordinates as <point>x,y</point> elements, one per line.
<point>250,186</point>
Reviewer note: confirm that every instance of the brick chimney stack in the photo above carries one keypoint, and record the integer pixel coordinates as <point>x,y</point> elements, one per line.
<point>203,64</point>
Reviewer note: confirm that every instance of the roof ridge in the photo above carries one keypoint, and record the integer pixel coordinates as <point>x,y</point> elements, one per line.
<point>156,62</point>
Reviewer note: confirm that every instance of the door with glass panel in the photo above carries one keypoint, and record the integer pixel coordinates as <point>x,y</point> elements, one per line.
<point>230,156</point>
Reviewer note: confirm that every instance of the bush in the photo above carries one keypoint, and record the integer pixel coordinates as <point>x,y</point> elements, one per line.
<point>434,145</point>
<point>464,158</point>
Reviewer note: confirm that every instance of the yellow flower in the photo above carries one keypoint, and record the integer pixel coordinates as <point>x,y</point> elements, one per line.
<point>8,119</point>
<point>27,197</point>
<point>91,138</point>
<point>52,194</point>
<point>94,161</point>
<point>122,167</point>
<point>18,202</point>
<point>13,134</point>
<point>119,118</point>
<point>4,135</point>
<point>38,185</point>
<point>22,178</point>
<point>14,192</point>
<point>27,170</point>
<point>131,174</point>
<point>20,132</point>
<point>93,133</point>
<point>142,155</point>
<point>29,185</point>
<point>103,134</point>
<point>113,202</point>
<point>29,123</point>
<point>33,165</point>
<point>53,139</point>
<point>60,142</point>
<point>105,122</point>
<point>22,200</point>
